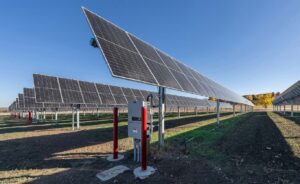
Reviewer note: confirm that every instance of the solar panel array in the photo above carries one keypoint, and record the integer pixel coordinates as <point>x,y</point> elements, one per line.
<point>131,58</point>
<point>96,95</point>
<point>289,96</point>
<point>66,92</point>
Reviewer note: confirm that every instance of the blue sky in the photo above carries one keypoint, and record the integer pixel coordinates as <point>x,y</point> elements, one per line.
<point>249,46</point>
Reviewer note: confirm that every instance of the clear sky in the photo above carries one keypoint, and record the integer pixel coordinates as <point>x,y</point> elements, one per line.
<point>249,46</point>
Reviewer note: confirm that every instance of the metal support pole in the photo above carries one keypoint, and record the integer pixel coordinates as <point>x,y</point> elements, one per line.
<point>37,115</point>
<point>161,110</point>
<point>178,112</point>
<point>284,109</point>
<point>115,133</point>
<point>56,115</point>
<point>73,119</point>
<point>78,120</point>
<point>292,110</point>
<point>144,138</point>
<point>44,114</point>
<point>233,109</point>
<point>280,108</point>
<point>218,112</point>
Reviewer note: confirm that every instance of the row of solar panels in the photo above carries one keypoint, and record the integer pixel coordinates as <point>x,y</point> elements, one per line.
<point>55,92</point>
<point>131,58</point>
<point>289,96</point>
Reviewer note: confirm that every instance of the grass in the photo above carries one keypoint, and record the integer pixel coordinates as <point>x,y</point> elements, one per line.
<point>290,129</point>
<point>198,139</point>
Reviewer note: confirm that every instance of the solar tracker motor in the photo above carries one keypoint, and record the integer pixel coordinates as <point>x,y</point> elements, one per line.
<point>93,43</point>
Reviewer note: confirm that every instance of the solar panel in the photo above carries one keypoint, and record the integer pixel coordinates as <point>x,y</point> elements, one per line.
<point>46,89</point>
<point>118,94</point>
<point>138,95</point>
<point>71,91</point>
<point>289,94</point>
<point>105,94</point>
<point>21,101</point>
<point>131,58</point>
<point>105,30</point>
<point>129,95</point>
<point>29,99</point>
<point>146,50</point>
<point>17,103</point>
<point>89,93</point>
<point>126,64</point>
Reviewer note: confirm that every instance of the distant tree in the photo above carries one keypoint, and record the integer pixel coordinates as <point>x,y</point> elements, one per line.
<point>212,99</point>
<point>262,99</point>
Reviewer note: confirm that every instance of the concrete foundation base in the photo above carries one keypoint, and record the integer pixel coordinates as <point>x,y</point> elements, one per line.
<point>111,158</point>
<point>111,173</point>
<point>139,173</point>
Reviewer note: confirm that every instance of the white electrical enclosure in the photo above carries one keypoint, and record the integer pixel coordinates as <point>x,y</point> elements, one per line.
<point>134,118</point>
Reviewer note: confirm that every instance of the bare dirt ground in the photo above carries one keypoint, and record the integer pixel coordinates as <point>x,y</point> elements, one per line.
<point>251,148</point>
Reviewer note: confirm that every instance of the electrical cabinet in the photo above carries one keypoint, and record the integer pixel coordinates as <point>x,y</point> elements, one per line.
<point>135,119</point>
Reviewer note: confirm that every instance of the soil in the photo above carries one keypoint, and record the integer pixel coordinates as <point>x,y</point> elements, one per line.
<point>258,150</point>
